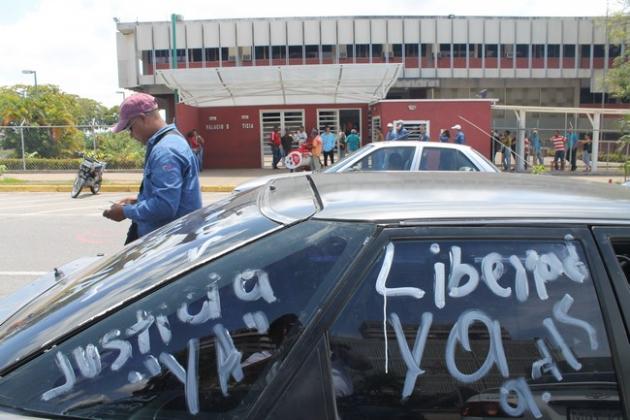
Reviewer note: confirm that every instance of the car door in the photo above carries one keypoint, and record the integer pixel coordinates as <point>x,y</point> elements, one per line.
<point>478,323</point>
<point>207,344</point>
<point>435,158</point>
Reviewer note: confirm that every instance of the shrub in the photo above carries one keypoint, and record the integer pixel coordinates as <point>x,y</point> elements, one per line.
<point>3,169</point>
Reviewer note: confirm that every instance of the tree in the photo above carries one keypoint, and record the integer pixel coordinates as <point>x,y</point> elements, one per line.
<point>56,112</point>
<point>618,79</point>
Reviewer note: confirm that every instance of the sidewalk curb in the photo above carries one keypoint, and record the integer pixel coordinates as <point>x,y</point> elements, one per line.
<point>104,188</point>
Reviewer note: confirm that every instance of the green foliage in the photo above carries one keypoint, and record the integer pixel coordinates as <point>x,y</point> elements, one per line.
<point>618,78</point>
<point>120,148</point>
<point>44,107</point>
<point>3,169</point>
<point>538,169</point>
<point>67,164</point>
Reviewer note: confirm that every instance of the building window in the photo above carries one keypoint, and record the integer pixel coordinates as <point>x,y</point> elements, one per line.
<point>585,51</point>
<point>328,51</point>
<point>426,50</point>
<point>614,50</point>
<point>262,53</point>
<point>363,50</point>
<point>245,53</point>
<point>476,50</point>
<point>491,51</point>
<point>377,51</point>
<point>162,56</point>
<point>396,49</point>
<point>312,51</point>
<point>212,54</point>
<point>507,51</point>
<point>411,50</point>
<point>568,51</point>
<point>295,51</point>
<point>345,51</point>
<point>181,56</point>
<point>538,51</point>
<point>553,50</point>
<point>522,50</point>
<point>147,56</point>
<point>278,51</point>
<point>445,50</point>
<point>459,50</point>
<point>195,55</point>
<point>598,50</point>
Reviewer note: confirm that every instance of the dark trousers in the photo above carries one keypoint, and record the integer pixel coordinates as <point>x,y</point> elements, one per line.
<point>332,157</point>
<point>572,157</point>
<point>277,155</point>
<point>558,157</point>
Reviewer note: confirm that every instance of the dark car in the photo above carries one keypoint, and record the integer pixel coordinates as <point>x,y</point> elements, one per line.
<point>351,296</point>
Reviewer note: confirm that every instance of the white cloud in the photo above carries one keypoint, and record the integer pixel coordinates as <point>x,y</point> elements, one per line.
<point>73,43</point>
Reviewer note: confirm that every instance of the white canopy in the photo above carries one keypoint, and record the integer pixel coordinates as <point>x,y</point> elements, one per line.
<point>282,85</point>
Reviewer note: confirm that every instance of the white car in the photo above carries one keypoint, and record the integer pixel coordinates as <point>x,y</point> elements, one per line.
<point>399,156</point>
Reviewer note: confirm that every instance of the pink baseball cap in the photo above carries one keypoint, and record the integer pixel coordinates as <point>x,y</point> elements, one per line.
<point>131,107</point>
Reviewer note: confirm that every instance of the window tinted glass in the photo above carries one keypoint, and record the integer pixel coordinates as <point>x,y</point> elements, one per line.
<point>387,159</point>
<point>475,329</point>
<point>207,343</point>
<point>436,159</point>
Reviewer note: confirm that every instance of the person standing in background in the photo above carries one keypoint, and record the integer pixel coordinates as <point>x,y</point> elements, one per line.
<point>390,135</point>
<point>328,145</point>
<point>276,143</point>
<point>401,132</point>
<point>300,136</point>
<point>559,143</point>
<point>287,142</point>
<point>572,146</point>
<point>196,143</point>
<point>459,136</point>
<point>316,150</point>
<point>341,144</point>
<point>445,136</point>
<point>587,150</point>
<point>353,141</point>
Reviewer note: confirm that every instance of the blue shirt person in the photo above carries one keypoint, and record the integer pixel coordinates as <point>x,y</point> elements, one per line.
<point>459,136</point>
<point>170,184</point>
<point>537,146</point>
<point>401,132</point>
<point>391,134</point>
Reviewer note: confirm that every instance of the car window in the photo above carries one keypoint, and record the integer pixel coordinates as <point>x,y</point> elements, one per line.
<point>442,159</point>
<point>386,159</point>
<point>160,255</point>
<point>474,329</point>
<point>206,343</point>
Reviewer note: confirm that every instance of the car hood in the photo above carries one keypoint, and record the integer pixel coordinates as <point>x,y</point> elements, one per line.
<point>12,303</point>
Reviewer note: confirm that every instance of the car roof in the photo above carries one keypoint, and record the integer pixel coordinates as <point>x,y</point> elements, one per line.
<point>396,143</point>
<point>468,197</point>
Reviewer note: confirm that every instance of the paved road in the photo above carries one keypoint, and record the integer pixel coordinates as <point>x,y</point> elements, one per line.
<point>39,231</point>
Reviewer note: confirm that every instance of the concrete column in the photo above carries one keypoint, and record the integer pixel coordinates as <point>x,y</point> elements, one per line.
<point>520,142</point>
<point>596,121</point>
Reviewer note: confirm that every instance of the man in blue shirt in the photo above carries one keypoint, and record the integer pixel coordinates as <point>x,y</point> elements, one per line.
<point>537,145</point>
<point>391,134</point>
<point>459,136</point>
<point>170,185</point>
<point>328,145</point>
<point>401,132</point>
<point>572,144</point>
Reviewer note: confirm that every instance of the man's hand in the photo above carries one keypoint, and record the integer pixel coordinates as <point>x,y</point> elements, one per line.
<point>115,213</point>
<point>127,200</point>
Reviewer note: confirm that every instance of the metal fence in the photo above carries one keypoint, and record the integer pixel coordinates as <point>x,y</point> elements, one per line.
<point>60,147</point>
<point>612,153</point>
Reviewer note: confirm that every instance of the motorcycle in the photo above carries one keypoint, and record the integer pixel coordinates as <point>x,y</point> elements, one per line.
<point>90,175</point>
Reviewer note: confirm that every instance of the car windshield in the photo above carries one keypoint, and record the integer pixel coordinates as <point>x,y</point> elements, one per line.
<point>485,159</point>
<point>143,265</point>
<point>342,162</point>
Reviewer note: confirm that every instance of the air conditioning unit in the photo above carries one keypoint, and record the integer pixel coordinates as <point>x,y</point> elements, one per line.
<point>247,57</point>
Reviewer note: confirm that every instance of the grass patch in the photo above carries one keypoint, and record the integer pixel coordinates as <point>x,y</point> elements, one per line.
<point>11,181</point>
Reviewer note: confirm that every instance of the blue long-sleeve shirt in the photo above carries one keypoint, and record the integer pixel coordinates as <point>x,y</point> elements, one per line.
<point>328,141</point>
<point>170,186</point>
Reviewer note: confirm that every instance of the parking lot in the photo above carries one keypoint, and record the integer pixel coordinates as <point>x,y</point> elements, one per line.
<point>41,231</point>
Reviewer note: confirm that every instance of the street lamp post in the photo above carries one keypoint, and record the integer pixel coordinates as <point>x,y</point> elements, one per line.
<point>34,73</point>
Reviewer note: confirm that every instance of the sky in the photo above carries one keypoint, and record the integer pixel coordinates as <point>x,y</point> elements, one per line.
<point>72,43</point>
